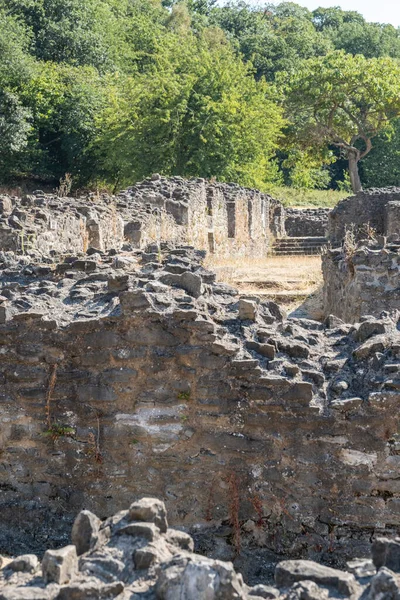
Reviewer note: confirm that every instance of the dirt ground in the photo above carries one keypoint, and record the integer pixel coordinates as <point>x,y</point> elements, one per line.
<point>292,281</point>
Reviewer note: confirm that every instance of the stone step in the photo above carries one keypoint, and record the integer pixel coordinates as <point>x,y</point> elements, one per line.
<point>300,251</point>
<point>299,245</point>
<point>322,240</point>
<point>304,245</point>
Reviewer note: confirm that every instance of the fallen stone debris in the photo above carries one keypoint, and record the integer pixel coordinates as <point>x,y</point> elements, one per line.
<point>134,554</point>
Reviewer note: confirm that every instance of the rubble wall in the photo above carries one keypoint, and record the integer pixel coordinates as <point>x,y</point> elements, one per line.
<point>306,222</point>
<point>365,282</point>
<point>366,209</point>
<point>219,218</point>
<point>123,378</point>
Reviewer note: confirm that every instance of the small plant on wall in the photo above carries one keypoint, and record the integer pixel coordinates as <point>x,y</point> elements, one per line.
<point>54,429</point>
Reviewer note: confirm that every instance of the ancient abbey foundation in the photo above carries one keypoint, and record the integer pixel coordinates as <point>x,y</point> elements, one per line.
<point>127,370</point>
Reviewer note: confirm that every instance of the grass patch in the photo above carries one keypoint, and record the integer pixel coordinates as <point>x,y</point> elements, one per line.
<point>307,198</point>
<point>283,272</point>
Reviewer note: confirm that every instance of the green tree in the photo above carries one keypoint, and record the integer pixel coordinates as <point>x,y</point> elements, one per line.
<point>329,19</point>
<point>342,100</point>
<point>78,32</point>
<point>15,128</point>
<point>272,39</point>
<point>196,111</point>
<point>64,102</point>
<point>382,166</point>
<point>16,64</point>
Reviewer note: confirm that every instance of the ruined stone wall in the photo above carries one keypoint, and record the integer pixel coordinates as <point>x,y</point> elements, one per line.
<point>122,379</point>
<point>43,223</point>
<point>306,222</point>
<point>365,282</point>
<point>220,218</point>
<point>365,209</point>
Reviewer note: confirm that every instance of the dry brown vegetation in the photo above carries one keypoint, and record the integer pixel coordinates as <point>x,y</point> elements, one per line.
<point>288,280</point>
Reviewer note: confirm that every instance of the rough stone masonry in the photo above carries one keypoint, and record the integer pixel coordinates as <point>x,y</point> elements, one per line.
<point>362,267</point>
<point>219,218</point>
<point>128,372</point>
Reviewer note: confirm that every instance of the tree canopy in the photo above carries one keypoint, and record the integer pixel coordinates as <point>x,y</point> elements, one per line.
<point>342,100</point>
<point>113,90</point>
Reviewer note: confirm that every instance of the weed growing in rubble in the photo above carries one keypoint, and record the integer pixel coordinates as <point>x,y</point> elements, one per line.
<point>49,394</point>
<point>65,186</point>
<point>94,448</point>
<point>234,506</point>
<point>94,440</point>
<point>56,431</point>
<point>349,242</point>
<point>369,232</point>
<point>258,507</point>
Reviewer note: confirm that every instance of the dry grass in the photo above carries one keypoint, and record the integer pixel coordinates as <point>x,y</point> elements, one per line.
<point>288,280</point>
<point>279,272</point>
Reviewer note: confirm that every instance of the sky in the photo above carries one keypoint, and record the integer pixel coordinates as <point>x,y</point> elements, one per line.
<point>381,11</point>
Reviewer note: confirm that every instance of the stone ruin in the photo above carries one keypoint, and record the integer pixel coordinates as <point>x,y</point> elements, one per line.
<point>135,555</point>
<point>306,222</point>
<point>377,210</point>
<point>362,267</point>
<point>128,370</point>
<point>219,218</point>
<point>305,231</point>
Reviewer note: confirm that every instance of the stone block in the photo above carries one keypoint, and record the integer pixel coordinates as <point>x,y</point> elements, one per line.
<point>133,233</point>
<point>60,566</point>
<point>392,219</point>
<point>290,571</point>
<point>190,282</point>
<point>149,531</point>
<point>180,539</point>
<point>90,591</point>
<point>248,309</point>
<point>26,563</point>
<point>118,283</point>
<point>385,585</point>
<point>150,510</point>
<point>85,531</point>
<point>145,557</point>
<point>386,553</point>
<point>263,591</point>
<point>368,329</point>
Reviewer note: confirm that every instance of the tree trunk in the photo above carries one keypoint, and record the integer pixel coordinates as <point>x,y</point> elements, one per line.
<point>353,171</point>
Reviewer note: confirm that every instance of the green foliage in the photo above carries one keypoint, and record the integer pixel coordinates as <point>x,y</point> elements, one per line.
<point>290,196</point>
<point>78,32</point>
<point>14,131</point>
<point>382,166</point>
<point>349,31</point>
<point>307,170</point>
<point>273,39</point>
<point>195,111</point>
<point>15,61</point>
<point>113,90</point>
<point>56,431</point>
<point>64,101</point>
<point>342,100</point>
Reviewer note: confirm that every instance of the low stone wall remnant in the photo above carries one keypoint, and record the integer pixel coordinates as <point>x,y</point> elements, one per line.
<point>306,222</point>
<point>131,373</point>
<point>362,267</point>
<point>373,212</point>
<point>364,282</point>
<point>128,370</point>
